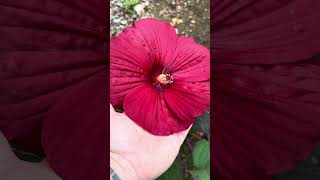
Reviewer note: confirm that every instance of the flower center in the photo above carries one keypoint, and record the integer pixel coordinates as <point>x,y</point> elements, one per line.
<point>164,79</point>
<point>159,76</point>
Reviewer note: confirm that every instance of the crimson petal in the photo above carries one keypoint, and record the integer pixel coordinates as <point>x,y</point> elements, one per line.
<point>187,101</point>
<point>75,141</point>
<point>191,62</point>
<point>266,118</point>
<point>147,108</point>
<point>264,32</point>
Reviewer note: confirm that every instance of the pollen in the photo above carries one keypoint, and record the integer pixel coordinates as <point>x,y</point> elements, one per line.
<point>165,79</point>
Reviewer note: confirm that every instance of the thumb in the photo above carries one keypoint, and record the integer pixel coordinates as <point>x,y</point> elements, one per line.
<point>181,136</point>
<point>123,131</point>
<point>112,111</point>
<point>6,153</point>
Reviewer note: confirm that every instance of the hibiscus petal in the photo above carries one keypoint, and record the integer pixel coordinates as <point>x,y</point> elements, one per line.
<point>160,38</point>
<point>268,115</point>
<point>264,32</point>
<point>146,106</point>
<point>134,52</point>
<point>125,71</point>
<point>34,25</point>
<point>75,142</point>
<point>188,101</point>
<point>191,61</point>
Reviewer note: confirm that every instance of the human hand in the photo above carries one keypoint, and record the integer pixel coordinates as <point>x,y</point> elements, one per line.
<point>11,168</point>
<point>135,154</point>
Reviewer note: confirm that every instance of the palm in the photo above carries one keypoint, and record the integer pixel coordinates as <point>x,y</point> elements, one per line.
<point>146,156</point>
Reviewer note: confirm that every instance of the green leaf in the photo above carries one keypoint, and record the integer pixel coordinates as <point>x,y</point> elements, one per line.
<point>130,11</point>
<point>200,174</point>
<point>174,172</point>
<point>202,123</point>
<point>201,154</point>
<point>129,3</point>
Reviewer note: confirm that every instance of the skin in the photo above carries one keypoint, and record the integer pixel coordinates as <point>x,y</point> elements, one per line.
<point>11,168</point>
<point>136,154</point>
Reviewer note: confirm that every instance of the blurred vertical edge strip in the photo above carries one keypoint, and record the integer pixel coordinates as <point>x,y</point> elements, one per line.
<point>54,83</point>
<point>107,35</point>
<point>212,105</point>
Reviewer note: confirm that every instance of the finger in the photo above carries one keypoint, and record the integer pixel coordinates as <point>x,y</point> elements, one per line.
<point>121,119</point>
<point>112,111</point>
<point>6,153</point>
<point>123,132</point>
<point>181,136</point>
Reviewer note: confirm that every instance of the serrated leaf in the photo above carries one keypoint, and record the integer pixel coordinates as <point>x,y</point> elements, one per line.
<point>201,154</point>
<point>174,172</point>
<point>200,174</point>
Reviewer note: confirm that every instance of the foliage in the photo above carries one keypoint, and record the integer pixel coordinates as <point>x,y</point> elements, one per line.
<point>193,161</point>
<point>174,172</point>
<point>201,160</point>
<point>202,124</point>
<point>129,5</point>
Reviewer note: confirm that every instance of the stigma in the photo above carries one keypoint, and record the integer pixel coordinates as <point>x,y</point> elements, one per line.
<point>164,79</point>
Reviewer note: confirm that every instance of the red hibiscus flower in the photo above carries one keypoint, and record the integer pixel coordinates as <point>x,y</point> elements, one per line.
<point>267,86</point>
<point>160,80</point>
